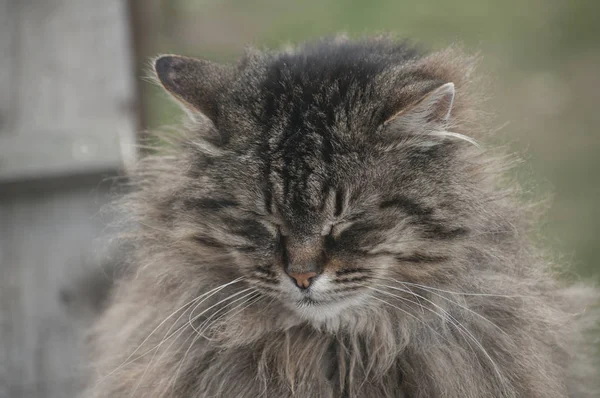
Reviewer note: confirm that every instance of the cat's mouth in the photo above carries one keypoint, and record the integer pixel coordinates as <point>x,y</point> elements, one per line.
<point>308,302</point>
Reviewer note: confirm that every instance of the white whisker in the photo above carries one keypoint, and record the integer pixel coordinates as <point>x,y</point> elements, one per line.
<point>453,321</point>
<point>181,329</point>
<point>193,317</point>
<point>199,329</point>
<point>451,134</point>
<point>404,311</point>
<point>463,294</point>
<point>128,359</point>
<point>453,302</point>
<point>148,366</point>
<point>196,337</point>
<point>245,304</point>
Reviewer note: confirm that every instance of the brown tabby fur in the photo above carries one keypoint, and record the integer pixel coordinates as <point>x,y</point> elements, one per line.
<point>429,286</point>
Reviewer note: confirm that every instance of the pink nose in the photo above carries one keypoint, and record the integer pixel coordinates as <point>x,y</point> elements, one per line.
<point>303,280</point>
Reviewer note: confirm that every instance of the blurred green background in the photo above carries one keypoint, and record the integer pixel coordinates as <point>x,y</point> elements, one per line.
<point>542,58</point>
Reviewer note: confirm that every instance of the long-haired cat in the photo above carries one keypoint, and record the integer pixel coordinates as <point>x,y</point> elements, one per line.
<point>332,224</point>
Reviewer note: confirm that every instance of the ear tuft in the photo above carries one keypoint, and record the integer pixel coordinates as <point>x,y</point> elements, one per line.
<point>440,102</point>
<point>430,113</point>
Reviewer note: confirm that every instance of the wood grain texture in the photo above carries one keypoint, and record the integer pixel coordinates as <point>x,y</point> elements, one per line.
<point>8,59</point>
<point>47,238</point>
<point>66,121</point>
<point>70,68</point>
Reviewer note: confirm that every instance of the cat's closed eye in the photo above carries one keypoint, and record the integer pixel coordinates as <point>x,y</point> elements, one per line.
<point>337,229</point>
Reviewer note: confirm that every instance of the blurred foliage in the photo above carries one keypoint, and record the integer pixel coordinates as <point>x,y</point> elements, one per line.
<point>541,56</point>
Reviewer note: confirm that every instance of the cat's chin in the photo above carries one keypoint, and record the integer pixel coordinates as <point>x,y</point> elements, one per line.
<point>321,313</point>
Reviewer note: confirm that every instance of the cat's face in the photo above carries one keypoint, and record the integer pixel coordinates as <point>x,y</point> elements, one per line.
<point>317,188</point>
<point>321,242</point>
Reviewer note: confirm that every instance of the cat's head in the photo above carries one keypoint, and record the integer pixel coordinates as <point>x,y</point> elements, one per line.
<point>322,173</point>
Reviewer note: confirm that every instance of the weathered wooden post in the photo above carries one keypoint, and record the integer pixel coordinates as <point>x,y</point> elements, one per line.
<point>67,120</point>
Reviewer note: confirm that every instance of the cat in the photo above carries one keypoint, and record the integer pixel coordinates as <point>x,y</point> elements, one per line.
<point>332,223</point>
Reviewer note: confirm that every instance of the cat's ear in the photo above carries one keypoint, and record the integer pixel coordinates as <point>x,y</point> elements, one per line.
<point>195,83</point>
<point>430,113</point>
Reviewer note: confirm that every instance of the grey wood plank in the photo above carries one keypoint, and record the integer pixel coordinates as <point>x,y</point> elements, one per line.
<point>8,50</point>
<point>66,108</point>
<point>75,70</point>
<point>44,241</point>
<point>55,153</point>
